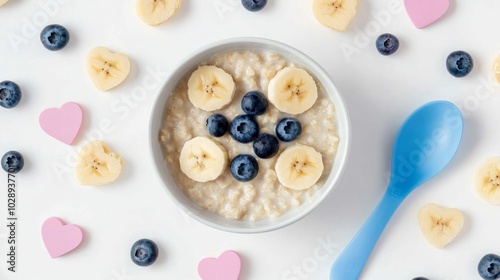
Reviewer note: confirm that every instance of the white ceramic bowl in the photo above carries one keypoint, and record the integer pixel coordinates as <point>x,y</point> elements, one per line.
<point>212,219</point>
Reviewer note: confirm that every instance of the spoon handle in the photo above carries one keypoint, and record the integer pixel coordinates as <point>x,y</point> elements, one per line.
<point>351,261</point>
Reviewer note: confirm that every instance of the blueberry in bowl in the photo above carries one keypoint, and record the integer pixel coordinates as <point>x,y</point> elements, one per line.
<point>244,167</point>
<point>288,129</point>
<point>244,128</point>
<point>254,103</point>
<point>266,146</point>
<point>217,125</point>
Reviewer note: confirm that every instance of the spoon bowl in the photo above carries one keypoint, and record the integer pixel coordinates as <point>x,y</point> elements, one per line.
<point>424,145</point>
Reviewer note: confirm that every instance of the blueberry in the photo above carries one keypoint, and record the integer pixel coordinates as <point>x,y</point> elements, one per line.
<point>217,125</point>
<point>10,94</point>
<point>288,129</point>
<point>254,5</point>
<point>419,278</point>
<point>266,146</point>
<point>244,167</point>
<point>387,44</point>
<point>244,128</point>
<point>144,252</point>
<point>459,64</point>
<point>12,162</point>
<point>254,103</point>
<point>489,267</point>
<point>54,37</point>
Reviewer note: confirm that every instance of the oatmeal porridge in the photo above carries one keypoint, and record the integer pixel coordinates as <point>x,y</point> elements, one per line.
<point>264,196</point>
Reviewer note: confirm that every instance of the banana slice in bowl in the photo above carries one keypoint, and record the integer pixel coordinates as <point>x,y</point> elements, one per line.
<point>299,167</point>
<point>210,88</point>
<point>292,90</point>
<point>203,159</point>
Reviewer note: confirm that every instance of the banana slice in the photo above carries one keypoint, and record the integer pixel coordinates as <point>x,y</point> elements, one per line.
<point>156,12</point>
<point>488,180</point>
<point>210,88</point>
<point>440,225</point>
<point>107,69</point>
<point>292,90</point>
<point>496,68</point>
<point>97,165</point>
<point>336,14</point>
<point>299,167</point>
<point>203,159</point>
<point>3,2</point>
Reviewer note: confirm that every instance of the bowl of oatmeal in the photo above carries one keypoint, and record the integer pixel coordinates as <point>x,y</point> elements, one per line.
<point>253,173</point>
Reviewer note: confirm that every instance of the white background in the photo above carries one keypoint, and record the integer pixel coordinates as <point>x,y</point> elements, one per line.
<point>380,93</point>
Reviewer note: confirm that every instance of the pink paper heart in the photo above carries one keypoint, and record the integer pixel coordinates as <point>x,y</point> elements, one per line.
<point>425,12</point>
<point>226,267</point>
<point>63,123</point>
<point>59,238</point>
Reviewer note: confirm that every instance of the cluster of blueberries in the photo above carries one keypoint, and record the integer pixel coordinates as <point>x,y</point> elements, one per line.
<point>245,129</point>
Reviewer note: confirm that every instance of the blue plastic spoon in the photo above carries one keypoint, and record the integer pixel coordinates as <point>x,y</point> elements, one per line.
<point>424,145</point>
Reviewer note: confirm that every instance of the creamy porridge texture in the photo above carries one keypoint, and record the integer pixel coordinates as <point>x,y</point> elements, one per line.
<point>263,197</point>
